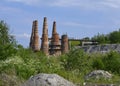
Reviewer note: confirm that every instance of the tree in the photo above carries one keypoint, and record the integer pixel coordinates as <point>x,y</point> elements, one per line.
<point>76,59</point>
<point>86,39</point>
<point>101,38</point>
<point>7,41</point>
<point>115,37</point>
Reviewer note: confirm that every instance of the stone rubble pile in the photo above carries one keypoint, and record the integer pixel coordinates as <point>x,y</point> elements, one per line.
<point>100,48</point>
<point>97,74</point>
<point>47,80</point>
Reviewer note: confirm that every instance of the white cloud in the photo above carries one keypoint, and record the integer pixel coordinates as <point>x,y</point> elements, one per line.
<point>79,25</point>
<point>80,4</point>
<point>28,2</point>
<point>71,24</point>
<point>9,9</point>
<point>65,3</point>
<point>24,35</point>
<point>111,3</point>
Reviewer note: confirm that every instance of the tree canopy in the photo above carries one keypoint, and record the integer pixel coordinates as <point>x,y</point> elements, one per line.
<point>113,38</point>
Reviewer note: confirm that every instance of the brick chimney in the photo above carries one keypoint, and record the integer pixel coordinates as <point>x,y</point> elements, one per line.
<point>44,44</point>
<point>64,44</point>
<point>36,44</point>
<point>55,47</point>
<point>31,38</point>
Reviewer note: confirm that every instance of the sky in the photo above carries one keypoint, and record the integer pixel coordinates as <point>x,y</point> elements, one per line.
<point>77,18</point>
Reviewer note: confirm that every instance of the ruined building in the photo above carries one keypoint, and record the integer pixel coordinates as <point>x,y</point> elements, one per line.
<point>50,46</point>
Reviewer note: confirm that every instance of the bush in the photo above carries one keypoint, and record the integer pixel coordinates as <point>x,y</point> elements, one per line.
<point>98,64</point>
<point>112,62</point>
<point>114,37</point>
<point>76,60</point>
<point>108,62</point>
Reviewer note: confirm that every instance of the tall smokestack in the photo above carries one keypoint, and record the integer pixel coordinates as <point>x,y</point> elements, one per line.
<point>64,44</point>
<point>55,42</point>
<point>36,45</point>
<point>31,38</point>
<point>45,26</point>
<point>55,36</point>
<point>54,28</point>
<point>44,44</point>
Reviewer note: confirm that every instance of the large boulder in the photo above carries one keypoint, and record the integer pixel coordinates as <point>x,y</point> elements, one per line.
<point>47,80</point>
<point>97,74</point>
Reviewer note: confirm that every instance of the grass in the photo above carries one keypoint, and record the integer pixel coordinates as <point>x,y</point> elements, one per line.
<point>74,43</point>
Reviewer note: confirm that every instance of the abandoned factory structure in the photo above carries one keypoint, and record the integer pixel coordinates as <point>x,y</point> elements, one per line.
<point>50,46</point>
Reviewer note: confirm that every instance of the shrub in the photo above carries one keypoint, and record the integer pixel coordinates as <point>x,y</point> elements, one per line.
<point>77,60</point>
<point>98,63</point>
<point>112,62</point>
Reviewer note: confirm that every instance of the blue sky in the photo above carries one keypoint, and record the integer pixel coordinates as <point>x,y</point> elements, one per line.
<point>77,18</point>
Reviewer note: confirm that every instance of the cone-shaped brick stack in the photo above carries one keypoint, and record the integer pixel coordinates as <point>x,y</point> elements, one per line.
<point>44,44</point>
<point>55,36</point>
<point>64,44</point>
<point>54,28</point>
<point>55,42</point>
<point>32,37</point>
<point>34,40</point>
<point>36,44</point>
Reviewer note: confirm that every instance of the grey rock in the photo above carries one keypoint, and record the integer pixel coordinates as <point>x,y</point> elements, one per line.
<point>97,74</point>
<point>47,80</point>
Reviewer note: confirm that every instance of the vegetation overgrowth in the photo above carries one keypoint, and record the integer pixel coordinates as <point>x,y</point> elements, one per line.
<point>111,38</point>
<point>15,60</point>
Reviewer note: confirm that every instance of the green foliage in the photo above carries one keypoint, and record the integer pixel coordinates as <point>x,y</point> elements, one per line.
<point>113,37</point>
<point>86,39</point>
<point>77,60</point>
<point>112,62</point>
<point>101,38</point>
<point>6,51</point>
<point>5,37</point>
<point>74,43</point>
<point>109,62</point>
<point>72,66</point>
<point>7,42</point>
<point>98,64</point>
